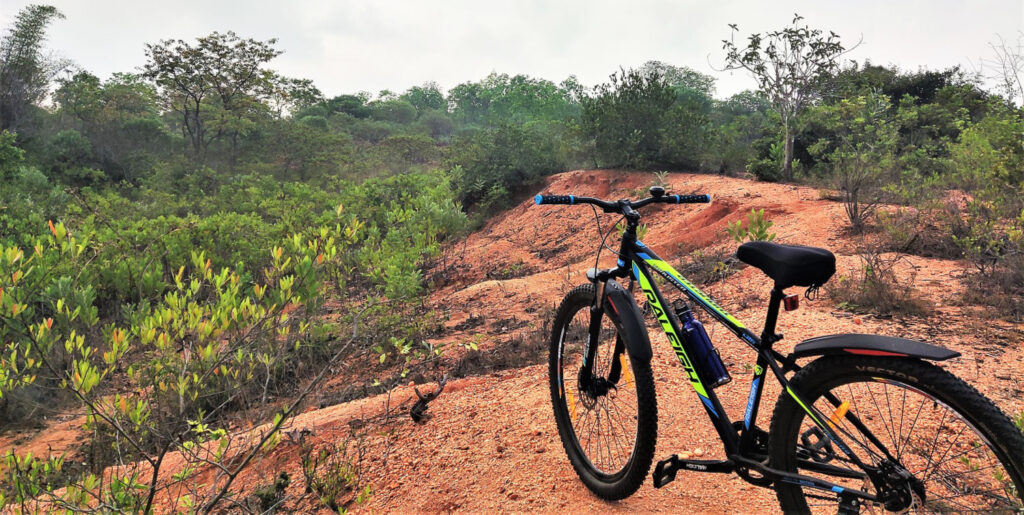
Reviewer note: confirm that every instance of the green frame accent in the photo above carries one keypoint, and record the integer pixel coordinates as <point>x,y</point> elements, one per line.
<point>643,263</point>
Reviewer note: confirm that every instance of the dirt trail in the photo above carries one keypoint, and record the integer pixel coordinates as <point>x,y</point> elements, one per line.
<point>492,443</point>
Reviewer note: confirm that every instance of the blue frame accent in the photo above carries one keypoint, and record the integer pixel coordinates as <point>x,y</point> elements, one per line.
<point>755,386</point>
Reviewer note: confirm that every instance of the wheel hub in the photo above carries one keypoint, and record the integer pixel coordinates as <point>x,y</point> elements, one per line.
<point>591,388</point>
<point>900,490</point>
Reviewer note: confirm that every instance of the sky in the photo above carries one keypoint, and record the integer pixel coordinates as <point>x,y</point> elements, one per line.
<point>346,46</point>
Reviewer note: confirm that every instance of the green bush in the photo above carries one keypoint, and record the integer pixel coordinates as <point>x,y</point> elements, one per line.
<point>488,164</point>
<point>989,223</point>
<point>767,163</point>
<point>626,118</point>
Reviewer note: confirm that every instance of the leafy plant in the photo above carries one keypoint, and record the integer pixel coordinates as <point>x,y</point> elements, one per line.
<point>333,472</point>
<point>660,179</point>
<point>641,230</point>
<point>756,229</point>
<point>212,341</point>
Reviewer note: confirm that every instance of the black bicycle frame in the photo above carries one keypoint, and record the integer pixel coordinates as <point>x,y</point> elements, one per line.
<point>639,262</point>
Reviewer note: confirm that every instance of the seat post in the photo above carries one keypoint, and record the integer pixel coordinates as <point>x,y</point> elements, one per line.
<point>768,335</point>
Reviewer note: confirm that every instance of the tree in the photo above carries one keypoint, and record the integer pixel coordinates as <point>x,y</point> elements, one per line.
<point>788,65</point>
<point>216,86</point>
<point>392,110</point>
<point>500,98</point>
<point>119,117</point>
<point>10,155</point>
<point>626,118</point>
<point>293,95</point>
<point>353,105</point>
<point>303,151</point>
<point>1006,67</point>
<point>426,97</point>
<point>25,73</point>
<point>861,152</point>
<point>677,77</point>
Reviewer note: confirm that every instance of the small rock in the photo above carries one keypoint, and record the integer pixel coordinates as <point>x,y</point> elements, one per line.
<point>698,452</point>
<point>539,450</point>
<point>857,320</point>
<point>685,455</point>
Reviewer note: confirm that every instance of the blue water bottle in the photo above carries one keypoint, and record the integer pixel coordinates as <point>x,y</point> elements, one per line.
<point>707,360</point>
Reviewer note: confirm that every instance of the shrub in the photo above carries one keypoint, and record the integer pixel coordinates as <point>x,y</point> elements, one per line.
<point>767,165</point>
<point>197,340</point>
<point>334,472</point>
<point>878,286</point>
<point>988,223</point>
<point>707,267</point>
<point>217,338</point>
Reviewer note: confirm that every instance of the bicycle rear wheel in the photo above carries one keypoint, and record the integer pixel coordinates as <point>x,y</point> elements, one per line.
<point>940,445</point>
<point>607,420</point>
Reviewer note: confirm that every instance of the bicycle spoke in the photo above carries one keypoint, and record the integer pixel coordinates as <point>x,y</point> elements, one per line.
<point>600,423</point>
<point>958,474</point>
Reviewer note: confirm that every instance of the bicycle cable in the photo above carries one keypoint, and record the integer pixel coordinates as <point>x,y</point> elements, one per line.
<point>604,239</point>
<point>602,245</point>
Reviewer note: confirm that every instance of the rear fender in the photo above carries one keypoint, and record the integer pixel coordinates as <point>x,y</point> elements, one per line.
<point>870,345</point>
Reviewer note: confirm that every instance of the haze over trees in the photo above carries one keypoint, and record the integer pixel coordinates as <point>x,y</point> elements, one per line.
<point>183,230</point>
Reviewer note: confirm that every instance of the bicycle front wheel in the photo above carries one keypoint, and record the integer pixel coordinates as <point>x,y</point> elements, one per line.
<point>607,418</point>
<point>932,442</point>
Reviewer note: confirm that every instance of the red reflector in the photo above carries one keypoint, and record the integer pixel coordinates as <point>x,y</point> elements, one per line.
<point>791,302</point>
<point>612,304</point>
<point>869,352</point>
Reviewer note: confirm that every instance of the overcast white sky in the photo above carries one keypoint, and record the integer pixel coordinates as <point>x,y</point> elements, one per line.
<point>346,46</point>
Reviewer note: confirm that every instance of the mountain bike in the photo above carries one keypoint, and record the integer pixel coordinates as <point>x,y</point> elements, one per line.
<point>871,423</point>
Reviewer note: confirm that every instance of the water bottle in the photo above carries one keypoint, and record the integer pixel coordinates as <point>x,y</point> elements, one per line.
<point>707,360</point>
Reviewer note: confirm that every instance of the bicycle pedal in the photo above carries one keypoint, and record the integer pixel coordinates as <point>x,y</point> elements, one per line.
<point>665,471</point>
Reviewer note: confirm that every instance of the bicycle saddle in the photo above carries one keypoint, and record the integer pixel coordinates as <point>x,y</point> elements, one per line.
<point>789,265</point>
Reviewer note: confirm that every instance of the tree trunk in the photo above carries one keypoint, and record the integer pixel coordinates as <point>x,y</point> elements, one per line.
<point>787,159</point>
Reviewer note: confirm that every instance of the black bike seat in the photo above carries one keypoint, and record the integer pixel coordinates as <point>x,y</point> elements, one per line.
<point>789,265</point>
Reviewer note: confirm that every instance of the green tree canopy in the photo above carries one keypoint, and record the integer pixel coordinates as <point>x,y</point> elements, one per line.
<point>215,86</point>
<point>25,72</point>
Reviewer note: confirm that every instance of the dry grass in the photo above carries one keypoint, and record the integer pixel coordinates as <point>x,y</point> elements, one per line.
<point>880,285</point>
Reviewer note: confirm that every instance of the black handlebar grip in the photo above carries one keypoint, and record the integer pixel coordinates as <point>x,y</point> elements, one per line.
<point>554,199</point>
<point>687,199</point>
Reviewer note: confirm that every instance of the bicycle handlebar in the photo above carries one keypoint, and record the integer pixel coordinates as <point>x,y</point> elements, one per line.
<point>617,207</point>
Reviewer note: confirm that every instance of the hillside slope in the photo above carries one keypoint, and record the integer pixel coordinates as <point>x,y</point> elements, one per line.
<point>492,442</point>
<point>493,445</point>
